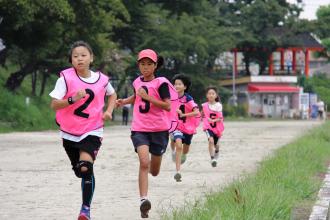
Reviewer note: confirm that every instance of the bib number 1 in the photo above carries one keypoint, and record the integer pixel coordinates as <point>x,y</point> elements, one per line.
<point>183,119</point>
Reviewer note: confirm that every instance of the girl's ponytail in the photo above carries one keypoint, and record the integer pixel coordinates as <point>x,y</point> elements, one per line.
<point>160,62</point>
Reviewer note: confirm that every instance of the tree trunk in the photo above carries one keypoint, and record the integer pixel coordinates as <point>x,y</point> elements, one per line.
<point>15,79</point>
<point>43,83</point>
<point>3,56</point>
<point>247,64</point>
<point>34,82</point>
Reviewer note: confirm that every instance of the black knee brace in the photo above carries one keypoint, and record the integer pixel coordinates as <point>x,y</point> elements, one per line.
<point>84,174</point>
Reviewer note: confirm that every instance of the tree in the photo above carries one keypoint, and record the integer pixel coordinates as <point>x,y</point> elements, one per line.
<point>257,20</point>
<point>322,24</point>
<point>37,33</point>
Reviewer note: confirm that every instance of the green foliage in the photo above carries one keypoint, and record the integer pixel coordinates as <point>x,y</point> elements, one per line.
<point>318,84</point>
<point>235,111</point>
<point>37,34</point>
<point>281,183</point>
<point>323,19</point>
<point>16,115</point>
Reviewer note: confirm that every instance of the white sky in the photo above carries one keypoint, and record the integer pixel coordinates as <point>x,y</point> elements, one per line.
<point>310,7</point>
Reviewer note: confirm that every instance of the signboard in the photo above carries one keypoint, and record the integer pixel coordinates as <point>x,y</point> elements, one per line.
<point>274,79</point>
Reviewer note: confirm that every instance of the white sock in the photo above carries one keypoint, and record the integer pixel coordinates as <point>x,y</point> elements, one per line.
<point>143,198</point>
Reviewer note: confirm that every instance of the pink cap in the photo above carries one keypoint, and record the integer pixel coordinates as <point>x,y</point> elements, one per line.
<point>148,53</point>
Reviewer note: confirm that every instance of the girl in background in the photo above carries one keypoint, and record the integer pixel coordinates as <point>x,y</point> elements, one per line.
<point>186,111</point>
<point>213,122</point>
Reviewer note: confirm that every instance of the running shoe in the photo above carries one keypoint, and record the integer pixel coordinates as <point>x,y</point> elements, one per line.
<point>177,177</point>
<point>84,213</point>
<point>145,207</point>
<point>214,162</point>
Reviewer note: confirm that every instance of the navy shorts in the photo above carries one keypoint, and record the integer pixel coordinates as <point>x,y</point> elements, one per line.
<point>209,133</point>
<point>157,141</point>
<point>186,138</point>
<point>91,144</point>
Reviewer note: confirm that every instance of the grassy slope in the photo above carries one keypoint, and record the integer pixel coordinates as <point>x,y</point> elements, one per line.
<point>281,184</point>
<point>16,115</point>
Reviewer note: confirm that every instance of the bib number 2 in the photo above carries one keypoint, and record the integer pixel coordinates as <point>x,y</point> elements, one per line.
<point>145,109</point>
<point>79,111</point>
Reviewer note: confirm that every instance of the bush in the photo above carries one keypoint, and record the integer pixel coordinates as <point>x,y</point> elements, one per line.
<point>235,111</point>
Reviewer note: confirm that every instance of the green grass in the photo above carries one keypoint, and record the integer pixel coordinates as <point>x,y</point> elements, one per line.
<point>16,115</point>
<point>281,184</point>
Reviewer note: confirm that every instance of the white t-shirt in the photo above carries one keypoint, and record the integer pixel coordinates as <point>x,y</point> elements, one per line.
<point>217,107</point>
<point>60,91</point>
<point>320,106</point>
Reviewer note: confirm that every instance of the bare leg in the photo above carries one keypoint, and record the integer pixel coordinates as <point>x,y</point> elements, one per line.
<point>178,148</point>
<point>211,147</point>
<point>155,163</point>
<point>185,148</point>
<point>143,153</point>
<point>172,145</point>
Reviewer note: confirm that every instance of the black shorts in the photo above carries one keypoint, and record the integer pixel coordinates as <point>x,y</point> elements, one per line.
<point>186,138</point>
<point>91,144</point>
<point>209,133</point>
<point>157,141</point>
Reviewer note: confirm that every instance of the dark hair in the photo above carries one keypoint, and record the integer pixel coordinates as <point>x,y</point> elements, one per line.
<point>79,43</point>
<point>160,62</point>
<point>185,80</point>
<point>217,99</point>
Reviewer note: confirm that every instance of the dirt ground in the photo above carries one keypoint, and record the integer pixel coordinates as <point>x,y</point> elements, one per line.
<point>36,181</point>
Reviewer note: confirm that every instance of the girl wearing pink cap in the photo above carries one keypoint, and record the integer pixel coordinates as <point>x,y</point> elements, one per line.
<point>150,123</point>
<point>78,99</point>
<point>213,122</point>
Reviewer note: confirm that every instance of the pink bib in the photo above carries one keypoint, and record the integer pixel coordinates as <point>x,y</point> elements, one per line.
<point>86,114</point>
<point>216,127</point>
<point>186,125</point>
<point>146,116</point>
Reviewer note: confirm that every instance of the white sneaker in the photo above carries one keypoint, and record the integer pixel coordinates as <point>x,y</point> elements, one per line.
<point>214,162</point>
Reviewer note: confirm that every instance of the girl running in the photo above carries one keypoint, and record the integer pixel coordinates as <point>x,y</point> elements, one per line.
<point>150,124</point>
<point>186,111</point>
<point>213,122</point>
<point>78,99</point>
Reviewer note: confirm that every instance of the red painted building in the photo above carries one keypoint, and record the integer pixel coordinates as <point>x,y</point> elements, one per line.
<point>275,93</point>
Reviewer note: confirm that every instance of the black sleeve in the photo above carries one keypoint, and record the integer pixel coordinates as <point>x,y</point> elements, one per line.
<point>164,91</point>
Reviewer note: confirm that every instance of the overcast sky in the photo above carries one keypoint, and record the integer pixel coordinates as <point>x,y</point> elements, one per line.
<point>310,7</point>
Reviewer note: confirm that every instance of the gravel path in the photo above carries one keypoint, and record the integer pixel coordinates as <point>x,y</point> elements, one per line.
<point>36,180</point>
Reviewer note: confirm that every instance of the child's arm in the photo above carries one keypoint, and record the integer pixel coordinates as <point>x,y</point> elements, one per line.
<point>128,100</point>
<point>57,104</point>
<point>107,115</point>
<point>195,112</point>
<point>217,119</point>
<point>163,104</point>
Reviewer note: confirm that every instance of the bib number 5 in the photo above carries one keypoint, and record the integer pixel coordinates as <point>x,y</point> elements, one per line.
<point>213,116</point>
<point>79,111</point>
<point>145,109</point>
